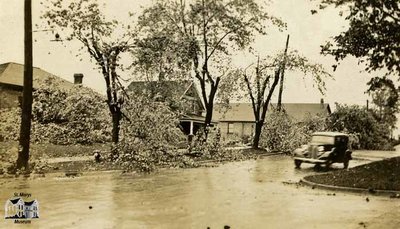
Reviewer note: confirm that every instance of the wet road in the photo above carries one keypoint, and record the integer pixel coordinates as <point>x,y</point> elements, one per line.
<point>251,194</point>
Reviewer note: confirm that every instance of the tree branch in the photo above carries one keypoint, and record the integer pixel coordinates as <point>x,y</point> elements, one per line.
<point>246,79</point>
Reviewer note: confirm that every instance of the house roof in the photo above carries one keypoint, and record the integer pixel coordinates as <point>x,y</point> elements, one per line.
<point>13,74</point>
<point>169,89</point>
<point>14,201</point>
<point>333,134</point>
<point>243,112</point>
<point>29,203</point>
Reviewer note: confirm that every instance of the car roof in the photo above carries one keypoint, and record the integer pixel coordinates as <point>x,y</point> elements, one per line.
<point>330,134</point>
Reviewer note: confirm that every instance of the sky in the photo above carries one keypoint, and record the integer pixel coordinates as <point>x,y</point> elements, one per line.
<point>307,32</point>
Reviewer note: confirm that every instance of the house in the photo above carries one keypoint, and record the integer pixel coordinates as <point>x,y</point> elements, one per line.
<point>18,209</point>
<point>14,208</point>
<point>31,209</point>
<point>179,94</point>
<point>11,82</point>
<point>237,119</point>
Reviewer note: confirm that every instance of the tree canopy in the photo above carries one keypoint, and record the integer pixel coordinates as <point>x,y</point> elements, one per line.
<point>373,34</point>
<point>103,39</point>
<point>209,31</point>
<point>385,96</point>
<point>262,79</point>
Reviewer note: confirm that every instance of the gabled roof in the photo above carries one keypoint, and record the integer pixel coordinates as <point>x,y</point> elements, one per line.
<point>243,112</point>
<point>14,201</point>
<point>30,203</point>
<point>300,111</point>
<point>234,112</point>
<point>13,74</point>
<point>168,89</point>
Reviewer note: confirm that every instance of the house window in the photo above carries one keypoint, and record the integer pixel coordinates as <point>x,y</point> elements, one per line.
<point>230,127</point>
<point>194,107</point>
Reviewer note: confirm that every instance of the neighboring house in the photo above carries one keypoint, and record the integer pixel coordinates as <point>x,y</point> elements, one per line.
<point>173,92</point>
<point>12,78</point>
<point>237,119</point>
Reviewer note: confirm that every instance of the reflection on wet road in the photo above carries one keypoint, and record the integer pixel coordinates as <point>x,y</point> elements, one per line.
<point>251,194</point>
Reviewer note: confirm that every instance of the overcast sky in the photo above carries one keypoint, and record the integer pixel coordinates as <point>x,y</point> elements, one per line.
<point>307,33</point>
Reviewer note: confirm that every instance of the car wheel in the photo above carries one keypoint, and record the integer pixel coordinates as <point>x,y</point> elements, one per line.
<point>346,163</point>
<point>297,163</point>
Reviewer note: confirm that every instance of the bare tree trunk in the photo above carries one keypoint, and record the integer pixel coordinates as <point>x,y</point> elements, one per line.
<point>210,105</point>
<point>26,116</point>
<point>261,118</point>
<point>279,106</point>
<point>257,134</point>
<point>116,118</point>
<point>209,114</point>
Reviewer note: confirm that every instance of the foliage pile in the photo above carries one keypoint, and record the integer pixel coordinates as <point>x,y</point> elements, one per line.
<point>373,134</point>
<point>209,147</point>
<point>149,136</point>
<point>61,116</point>
<point>282,133</point>
<point>213,149</point>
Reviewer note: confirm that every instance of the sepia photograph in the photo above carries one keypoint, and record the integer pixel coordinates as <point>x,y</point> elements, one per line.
<point>209,114</point>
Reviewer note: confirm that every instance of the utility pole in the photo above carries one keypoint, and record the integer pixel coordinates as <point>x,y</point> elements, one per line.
<point>282,77</point>
<point>26,115</point>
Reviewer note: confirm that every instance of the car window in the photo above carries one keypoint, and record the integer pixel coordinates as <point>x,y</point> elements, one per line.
<point>342,141</point>
<point>323,139</point>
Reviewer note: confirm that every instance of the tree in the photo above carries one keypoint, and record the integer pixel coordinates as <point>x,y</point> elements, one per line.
<point>259,87</point>
<point>373,34</point>
<point>83,21</point>
<point>209,31</point>
<point>26,114</point>
<point>385,96</point>
<point>261,95</point>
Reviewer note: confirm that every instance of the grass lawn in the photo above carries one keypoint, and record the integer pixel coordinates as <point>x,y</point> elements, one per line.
<point>8,156</point>
<point>10,148</point>
<point>9,153</point>
<point>379,175</point>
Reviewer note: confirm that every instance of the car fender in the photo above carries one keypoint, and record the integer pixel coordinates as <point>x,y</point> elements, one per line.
<point>327,155</point>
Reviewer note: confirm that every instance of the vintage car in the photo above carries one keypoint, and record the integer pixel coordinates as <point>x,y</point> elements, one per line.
<point>324,148</point>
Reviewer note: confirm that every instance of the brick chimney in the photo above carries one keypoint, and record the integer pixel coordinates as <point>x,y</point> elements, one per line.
<point>78,78</point>
<point>322,101</point>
